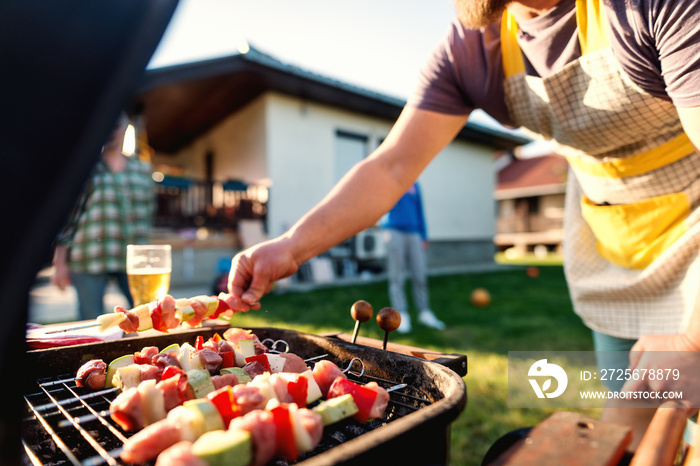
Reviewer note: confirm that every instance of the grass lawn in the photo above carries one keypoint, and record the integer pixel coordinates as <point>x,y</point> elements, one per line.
<point>525,314</point>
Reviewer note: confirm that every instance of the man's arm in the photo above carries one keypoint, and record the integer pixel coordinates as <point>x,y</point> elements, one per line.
<point>357,202</point>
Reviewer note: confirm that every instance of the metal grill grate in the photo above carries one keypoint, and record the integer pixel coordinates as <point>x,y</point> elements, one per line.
<point>66,424</point>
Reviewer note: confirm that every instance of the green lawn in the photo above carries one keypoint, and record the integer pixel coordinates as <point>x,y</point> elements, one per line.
<point>525,314</point>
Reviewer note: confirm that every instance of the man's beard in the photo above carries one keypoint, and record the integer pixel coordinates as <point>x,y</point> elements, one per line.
<point>475,14</point>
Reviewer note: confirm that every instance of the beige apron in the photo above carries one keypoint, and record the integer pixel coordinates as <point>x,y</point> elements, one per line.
<point>631,218</point>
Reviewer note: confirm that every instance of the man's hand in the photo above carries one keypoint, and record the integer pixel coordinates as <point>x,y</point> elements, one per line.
<point>255,270</point>
<point>61,276</point>
<point>675,357</point>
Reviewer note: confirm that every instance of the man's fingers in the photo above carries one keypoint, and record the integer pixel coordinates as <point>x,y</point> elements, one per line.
<point>634,385</point>
<point>258,286</point>
<point>636,353</point>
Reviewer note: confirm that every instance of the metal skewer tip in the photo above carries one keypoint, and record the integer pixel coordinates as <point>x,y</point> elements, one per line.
<point>75,327</point>
<point>313,358</point>
<point>397,387</point>
<point>104,321</point>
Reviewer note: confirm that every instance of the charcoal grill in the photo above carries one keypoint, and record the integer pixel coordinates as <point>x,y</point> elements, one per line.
<point>56,114</point>
<point>414,430</point>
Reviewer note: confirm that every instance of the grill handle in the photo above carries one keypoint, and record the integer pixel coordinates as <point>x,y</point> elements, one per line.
<point>388,320</point>
<point>361,311</point>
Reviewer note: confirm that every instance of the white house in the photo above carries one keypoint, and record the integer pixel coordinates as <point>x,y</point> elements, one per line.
<point>289,135</point>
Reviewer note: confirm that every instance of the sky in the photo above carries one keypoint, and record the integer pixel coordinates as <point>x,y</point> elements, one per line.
<point>380,45</point>
<point>377,44</point>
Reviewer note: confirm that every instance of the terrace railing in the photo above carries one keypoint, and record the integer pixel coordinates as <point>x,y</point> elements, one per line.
<point>189,203</point>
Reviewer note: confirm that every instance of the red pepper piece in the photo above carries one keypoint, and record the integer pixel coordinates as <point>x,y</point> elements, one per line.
<point>199,343</point>
<point>214,342</point>
<point>221,308</point>
<point>298,390</point>
<point>227,358</point>
<point>286,444</point>
<point>171,371</point>
<point>262,359</point>
<point>364,397</point>
<point>225,403</point>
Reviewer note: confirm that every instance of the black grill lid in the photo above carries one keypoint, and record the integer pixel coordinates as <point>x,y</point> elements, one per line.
<point>68,68</point>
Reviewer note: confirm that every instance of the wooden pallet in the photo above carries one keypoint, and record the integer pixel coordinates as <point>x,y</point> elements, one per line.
<point>571,439</point>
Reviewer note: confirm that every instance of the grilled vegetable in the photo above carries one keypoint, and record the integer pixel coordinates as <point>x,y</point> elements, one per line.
<point>364,397</point>
<point>224,448</point>
<point>200,381</point>
<point>239,372</point>
<point>208,417</point>
<point>336,409</point>
<point>121,361</point>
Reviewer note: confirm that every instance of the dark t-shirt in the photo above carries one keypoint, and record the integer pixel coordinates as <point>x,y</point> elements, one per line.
<point>657,43</point>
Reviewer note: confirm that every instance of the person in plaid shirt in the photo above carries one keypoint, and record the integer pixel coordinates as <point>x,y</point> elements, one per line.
<point>115,209</point>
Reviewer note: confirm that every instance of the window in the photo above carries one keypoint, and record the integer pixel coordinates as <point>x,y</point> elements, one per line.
<point>350,148</point>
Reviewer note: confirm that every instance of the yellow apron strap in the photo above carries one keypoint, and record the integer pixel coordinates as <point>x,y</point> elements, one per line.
<point>665,154</point>
<point>592,26</point>
<point>592,31</point>
<point>513,62</point>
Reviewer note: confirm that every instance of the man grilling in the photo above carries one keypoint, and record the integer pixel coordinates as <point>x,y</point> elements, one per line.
<point>616,86</point>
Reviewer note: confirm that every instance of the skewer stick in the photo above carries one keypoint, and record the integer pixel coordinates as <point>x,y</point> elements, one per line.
<point>105,322</point>
<point>396,387</point>
<point>313,358</point>
<point>272,345</point>
<point>352,362</point>
<point>75,327</point>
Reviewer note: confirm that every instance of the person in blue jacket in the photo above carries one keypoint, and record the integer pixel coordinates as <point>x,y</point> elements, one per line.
<point>406,241</point>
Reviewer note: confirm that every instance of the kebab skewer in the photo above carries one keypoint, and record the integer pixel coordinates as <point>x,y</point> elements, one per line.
<point>153,382</point>
<point>274,386</point>
<point>162,314</point>
<point>214,354</point>
<point>256,437</point>
<point>168,313</point>
<point>150,401</point>
<point>297,429</point>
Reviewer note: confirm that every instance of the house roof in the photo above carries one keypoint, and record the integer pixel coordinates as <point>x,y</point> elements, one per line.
<point>533,176</point>
<point>181,102</point>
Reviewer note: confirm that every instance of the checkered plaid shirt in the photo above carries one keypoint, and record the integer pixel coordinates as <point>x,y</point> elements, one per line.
<point>114,209</point>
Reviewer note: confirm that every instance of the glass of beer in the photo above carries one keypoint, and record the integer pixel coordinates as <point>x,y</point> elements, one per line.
<point>148,268</point>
